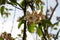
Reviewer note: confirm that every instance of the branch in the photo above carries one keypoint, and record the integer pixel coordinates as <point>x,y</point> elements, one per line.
<point>13,5</point>
<point>42,31</point>
<point>24,33</point>
<point>43,35</point>
<point>57,35</point>
<point>53,11</point>
<point>54,24</point>
<point>20,6</point>
<point>16,7</point>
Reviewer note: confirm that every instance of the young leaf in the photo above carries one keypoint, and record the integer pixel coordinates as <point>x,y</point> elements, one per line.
<point>31,27</point>
<point>39,31</point>
<point>2,10</point>
<point>20,23</point>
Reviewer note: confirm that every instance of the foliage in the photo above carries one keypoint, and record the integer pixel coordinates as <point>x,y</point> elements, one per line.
<point>39,32</point>
<point>30,20</point>
<point>31,27</point>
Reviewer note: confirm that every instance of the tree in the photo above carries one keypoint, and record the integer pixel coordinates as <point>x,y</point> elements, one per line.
<point>33,22</point>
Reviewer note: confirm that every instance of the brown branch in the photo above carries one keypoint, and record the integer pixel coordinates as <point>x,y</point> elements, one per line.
<point>24,33</point>
<point>53,11</point>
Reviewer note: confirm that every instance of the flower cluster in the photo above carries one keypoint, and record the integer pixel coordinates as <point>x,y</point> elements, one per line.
<point>6,36</point>
<point>34,17</point>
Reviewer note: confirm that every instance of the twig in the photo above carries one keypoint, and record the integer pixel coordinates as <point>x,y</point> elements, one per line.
<point>42,32</point>
<point>17,7</point>
<point>13,5</point>
<point>57,35</point>
<point>53,11</point>
<point>20,6</point>
<point>54,24</point>
<point>46,8</point>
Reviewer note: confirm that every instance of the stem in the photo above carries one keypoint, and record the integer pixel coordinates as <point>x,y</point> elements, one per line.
<point>42,32</point>
<point>46,27</point>
<point>53,11</point>
<point>24,34</point>
<point>14,5</point>
<point>57,35</point>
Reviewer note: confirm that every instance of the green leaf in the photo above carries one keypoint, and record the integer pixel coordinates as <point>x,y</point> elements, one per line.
<point>20,23</point>
<point>14,1</point>
<point>57,23</point>
<point>19,35</point>
<point>39,31</point>
<point>48,22</point>
<point>22,3</point>
<point>2,2</point>
<point>44,22</point>
<point>40,26</point>
<point>2,10</point>
<point>31,27</point>
<point>42,8</point>
<point>1,38</point>
<point>55,28</point>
